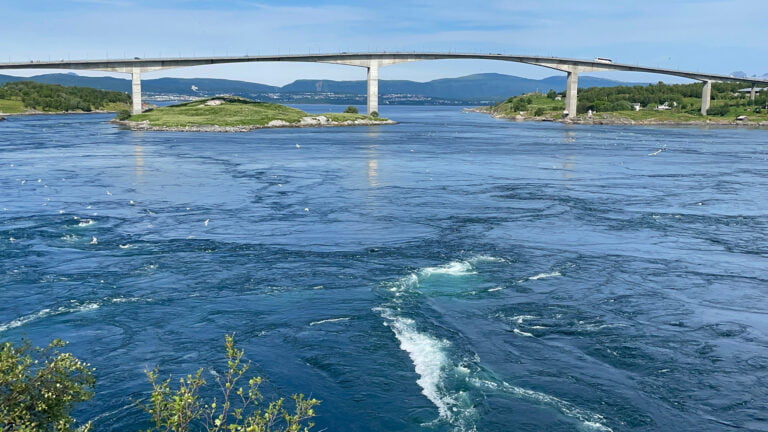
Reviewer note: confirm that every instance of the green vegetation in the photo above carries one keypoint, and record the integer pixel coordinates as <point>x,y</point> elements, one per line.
<point>238,410</point>
<point>11,106</point>
<point>231,111</point>
<point>532,104</point>
<point>351,110</point>
<point>658,102</point>
<point>39,386</point>
<point>16,97</point>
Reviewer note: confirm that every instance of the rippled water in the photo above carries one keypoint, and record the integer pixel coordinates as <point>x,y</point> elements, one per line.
<point>450,273</point>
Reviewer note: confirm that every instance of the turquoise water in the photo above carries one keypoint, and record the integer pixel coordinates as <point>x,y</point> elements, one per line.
<point>449,273</point>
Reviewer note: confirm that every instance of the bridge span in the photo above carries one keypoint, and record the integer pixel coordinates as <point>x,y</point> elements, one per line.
<point>373,61</point>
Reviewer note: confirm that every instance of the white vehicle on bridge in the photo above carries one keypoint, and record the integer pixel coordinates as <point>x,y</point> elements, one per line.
<point>603,60</point>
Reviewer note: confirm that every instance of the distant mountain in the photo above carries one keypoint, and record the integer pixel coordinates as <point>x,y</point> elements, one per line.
<point>470,88</point>
<point>739,74</point>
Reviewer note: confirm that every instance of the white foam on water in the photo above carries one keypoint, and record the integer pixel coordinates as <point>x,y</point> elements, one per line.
<point>85,222</point>
<point>484,258</point>
<point>589,421</point>
<point>521,333</point>
<point>545,275</point>
<point>453,268</point>
<point>75,307</point>
<point>18,322</point>
<point>520,318</point>
<point>432,364</point>
<point>330,320</point>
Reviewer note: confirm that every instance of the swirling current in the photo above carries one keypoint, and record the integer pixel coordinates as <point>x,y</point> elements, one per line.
<point>449,273</point>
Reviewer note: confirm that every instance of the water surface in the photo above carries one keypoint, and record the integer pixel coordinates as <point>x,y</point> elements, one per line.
<point>449,273</point>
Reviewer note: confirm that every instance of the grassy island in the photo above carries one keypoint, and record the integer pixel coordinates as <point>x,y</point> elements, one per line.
<point>653,104</point>
<point>234,114</point>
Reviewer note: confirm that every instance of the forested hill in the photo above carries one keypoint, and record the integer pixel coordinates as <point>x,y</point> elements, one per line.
<point>27,95</point>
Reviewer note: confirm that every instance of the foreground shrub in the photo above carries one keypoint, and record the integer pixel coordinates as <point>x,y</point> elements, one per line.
<point>38,387</point>
<point>351,110</point>
<point>239,409</point>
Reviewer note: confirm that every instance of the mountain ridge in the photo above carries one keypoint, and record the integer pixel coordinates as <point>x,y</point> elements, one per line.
<point>468,88</point>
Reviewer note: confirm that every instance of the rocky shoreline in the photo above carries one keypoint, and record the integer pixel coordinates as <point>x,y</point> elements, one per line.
<point>310,121</point>
<point>607,119</point>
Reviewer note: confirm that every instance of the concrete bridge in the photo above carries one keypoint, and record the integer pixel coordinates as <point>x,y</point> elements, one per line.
<point>373,61</point>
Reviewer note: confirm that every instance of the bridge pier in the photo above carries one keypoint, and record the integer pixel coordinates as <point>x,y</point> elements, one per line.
<point>372,104</point>
<point>571,93</point>
<point>706,96</point>
<point>753,92</point>
<point>136,90</point>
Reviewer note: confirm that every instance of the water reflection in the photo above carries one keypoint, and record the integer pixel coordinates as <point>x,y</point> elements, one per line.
<point>138,161</point>
<point>372,172</point>
<point>568,167</point>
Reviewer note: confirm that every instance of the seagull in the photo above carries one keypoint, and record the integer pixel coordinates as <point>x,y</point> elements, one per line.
<point>131,202</point>
<point>298,146</point>
<point>94,240</point>
<point>306,209</point>
<point>206,222</point>
<point>109,193</point>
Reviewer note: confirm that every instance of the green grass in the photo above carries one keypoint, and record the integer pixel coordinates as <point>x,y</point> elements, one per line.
<point>115,106</point>
<point>234,112</point>
<point>11,106</point>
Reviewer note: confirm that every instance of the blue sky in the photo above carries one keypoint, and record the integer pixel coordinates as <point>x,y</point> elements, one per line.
<point>698,35</point>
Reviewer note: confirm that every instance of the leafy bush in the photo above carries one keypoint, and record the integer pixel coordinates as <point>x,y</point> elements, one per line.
<point>539,112</point>
<point>720,110</point>
<point>39,386</point>
<point>519,105</point>
<point>351,110</point>
<point>238,410</point>
<point>375,114</point>
<point>123,114</point>
<point>551,94</point>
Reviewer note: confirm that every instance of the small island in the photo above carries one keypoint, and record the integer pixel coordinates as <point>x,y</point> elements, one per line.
<point>236,114</point>
<point>655,104</point>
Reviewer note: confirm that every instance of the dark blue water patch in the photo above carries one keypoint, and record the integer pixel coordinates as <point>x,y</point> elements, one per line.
<point>452,272</point>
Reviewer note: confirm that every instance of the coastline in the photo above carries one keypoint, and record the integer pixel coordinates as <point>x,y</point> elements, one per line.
<point>313,121</point>
<point>34,113</point>
<point>607,119</point>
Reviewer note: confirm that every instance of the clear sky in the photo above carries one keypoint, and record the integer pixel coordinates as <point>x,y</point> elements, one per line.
<point>714,36</point>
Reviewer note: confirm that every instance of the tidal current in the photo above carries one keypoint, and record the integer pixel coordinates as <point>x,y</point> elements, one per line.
<point>450,273</point>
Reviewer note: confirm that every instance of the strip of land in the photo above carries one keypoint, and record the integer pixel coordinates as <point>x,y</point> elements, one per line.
<point>657,104</point>
<point>235,114</point>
